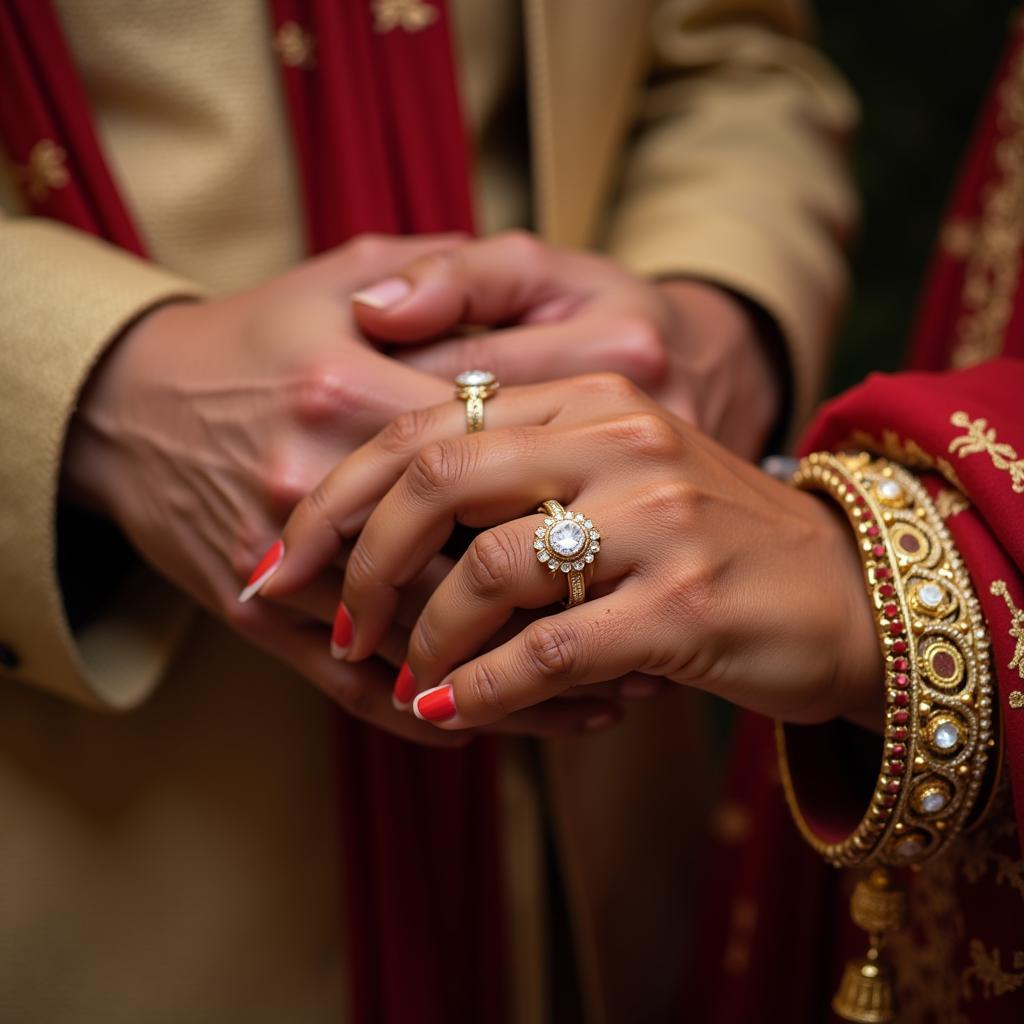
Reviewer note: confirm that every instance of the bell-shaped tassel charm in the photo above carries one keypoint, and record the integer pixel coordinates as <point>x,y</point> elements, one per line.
<point>867,992</point>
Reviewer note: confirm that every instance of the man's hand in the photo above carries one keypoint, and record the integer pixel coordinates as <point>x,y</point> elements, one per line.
<point>693,347</point>
<point>207,422</point>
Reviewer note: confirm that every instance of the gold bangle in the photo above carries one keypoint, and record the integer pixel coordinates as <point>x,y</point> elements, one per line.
<point>938,720</point>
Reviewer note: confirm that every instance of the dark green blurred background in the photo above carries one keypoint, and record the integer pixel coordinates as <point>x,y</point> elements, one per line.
<point>921,71</point>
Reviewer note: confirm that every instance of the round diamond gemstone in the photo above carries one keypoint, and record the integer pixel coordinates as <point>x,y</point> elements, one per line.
<point>909,847</point>
<point>946,736</point>
<point>474,378</point>
<point>567,538</point>
<point>930,595</point>
<point>543,556</point>
<point>538,544</point>
<point>554,565</point>
<point>588,558</point>
<point>540,531</point>
<point>890,490</point>
<point>566,567</point>
<point>933,801</point>
<point>578,566</point>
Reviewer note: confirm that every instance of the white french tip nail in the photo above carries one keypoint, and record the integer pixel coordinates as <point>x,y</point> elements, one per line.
<point>270,563</point>
<point>338,653</point>
<point>400,705</point>
<point>384,294</point>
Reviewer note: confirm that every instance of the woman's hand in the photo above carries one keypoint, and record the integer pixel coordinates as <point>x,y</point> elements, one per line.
<point>711,574</point>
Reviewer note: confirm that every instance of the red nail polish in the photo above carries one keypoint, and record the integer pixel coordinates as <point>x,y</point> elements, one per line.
<point>436,705</point>
<point>405,687</point>
<point>341,633</point>
<point>267,567</point>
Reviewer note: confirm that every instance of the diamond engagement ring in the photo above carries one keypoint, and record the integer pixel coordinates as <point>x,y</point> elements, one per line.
<point>568,542</point>
<point>474,387</point>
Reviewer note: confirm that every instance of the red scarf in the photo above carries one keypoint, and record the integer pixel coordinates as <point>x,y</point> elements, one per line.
<point>380,145</point>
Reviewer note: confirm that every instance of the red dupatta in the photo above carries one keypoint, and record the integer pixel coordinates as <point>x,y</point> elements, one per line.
<point>776,950</point>
<point>381,147</point>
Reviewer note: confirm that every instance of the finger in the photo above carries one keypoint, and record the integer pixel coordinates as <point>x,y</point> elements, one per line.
<point>591,643</point>
<point>478,480</point>
<point>559,717</point>
<point>499,573</point>
<point>523,355</point>
<point>493,280</point>
<point>339,506</point>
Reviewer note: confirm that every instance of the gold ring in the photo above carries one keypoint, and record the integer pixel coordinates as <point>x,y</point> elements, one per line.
<point>568,542</point>
<point>474,387</point>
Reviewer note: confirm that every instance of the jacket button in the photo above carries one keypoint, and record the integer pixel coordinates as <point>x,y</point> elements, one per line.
<point>9,657</point>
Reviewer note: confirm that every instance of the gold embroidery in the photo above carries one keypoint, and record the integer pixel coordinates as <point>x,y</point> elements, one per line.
<point>45,171</point>
<point>980,437</point>
<point>931,988</point>
<point>295,46</point>
<point>907,452</point>
<point>987,968</point>
<point>959,238</point>
<point>1016,699</point>
<point>999,589</point>
<point>411,15</point>
<point>993,269</point>
<point>950,503</point>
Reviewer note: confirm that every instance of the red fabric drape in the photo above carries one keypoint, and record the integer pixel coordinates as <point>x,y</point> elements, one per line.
<point>381,147</point>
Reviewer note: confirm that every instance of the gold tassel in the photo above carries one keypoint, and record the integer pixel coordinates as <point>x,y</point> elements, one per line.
<point>867,992</point>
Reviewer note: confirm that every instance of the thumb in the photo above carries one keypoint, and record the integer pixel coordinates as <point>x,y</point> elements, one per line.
<point>507,278</point>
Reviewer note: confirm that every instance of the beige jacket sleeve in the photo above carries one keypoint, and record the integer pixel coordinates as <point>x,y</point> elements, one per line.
<point>63,297</point>
<point>737,169</point>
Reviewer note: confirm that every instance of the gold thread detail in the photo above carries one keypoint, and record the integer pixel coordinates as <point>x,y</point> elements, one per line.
<point>992,273</point>
<point>1016,631</point>
<point>295,47</point>
<point>950,503</point>
<point>1016,699</point>
<point>411,15</point>
<point>907,452</point>
<point>980,437</point>
<point>45,172</point>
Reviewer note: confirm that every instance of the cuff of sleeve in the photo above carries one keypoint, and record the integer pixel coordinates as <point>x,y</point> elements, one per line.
<point>800,292</point>
<point>65,297</point>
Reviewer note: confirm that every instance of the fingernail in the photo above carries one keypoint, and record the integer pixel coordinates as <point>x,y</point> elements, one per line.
<point>384,294</point>
<point>405,688</point>
<point>341,633</point>
<point>436,705</point>
<point>639,688</point>
<point>268,565</point>
<point>599,721</point>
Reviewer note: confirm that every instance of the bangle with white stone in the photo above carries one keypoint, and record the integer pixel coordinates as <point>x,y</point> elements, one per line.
<point>938,730</point>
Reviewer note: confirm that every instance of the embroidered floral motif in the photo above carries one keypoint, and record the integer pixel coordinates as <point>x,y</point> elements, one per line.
<point>907,452</point>
<point>949,503</point>
<point>999,589</point>
<point>295,46</point>
<point>411,15</point>
<point>980,437</point>
<point>987,968</point>
<point>1016,699</point>
<point>45,171</point>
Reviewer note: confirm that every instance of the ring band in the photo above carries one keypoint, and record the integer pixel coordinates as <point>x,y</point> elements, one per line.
<point>568,542</point>
<point>474,387</point>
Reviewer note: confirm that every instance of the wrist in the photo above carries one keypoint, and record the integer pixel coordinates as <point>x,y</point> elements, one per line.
<point>750,366</point>
<point>88,470</point>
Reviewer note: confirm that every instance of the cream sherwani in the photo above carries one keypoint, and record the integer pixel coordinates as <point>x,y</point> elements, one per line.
<point>178,860</point>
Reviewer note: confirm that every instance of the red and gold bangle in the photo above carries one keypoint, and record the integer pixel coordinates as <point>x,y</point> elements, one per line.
<point>938,730</point>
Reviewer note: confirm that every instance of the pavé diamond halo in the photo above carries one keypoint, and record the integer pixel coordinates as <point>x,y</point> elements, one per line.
<point>568,542</point>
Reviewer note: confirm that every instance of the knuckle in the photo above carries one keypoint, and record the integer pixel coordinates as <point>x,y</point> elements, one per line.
<point>284,487</point>
<point>552,649</point>
<point>613,389</point>
<point>522,245</point>
<point>367,248</point>
<point>406,432</point>
<point>643,346</point>
<point>484,690</point>
<point>491,561</point>
<point>674,504</point>
<point>360,568</point>
<point>424,643</point>
<point>691,594</point>
<point>323,394</point>
<point>645,434</point>
<point>435,468</point>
